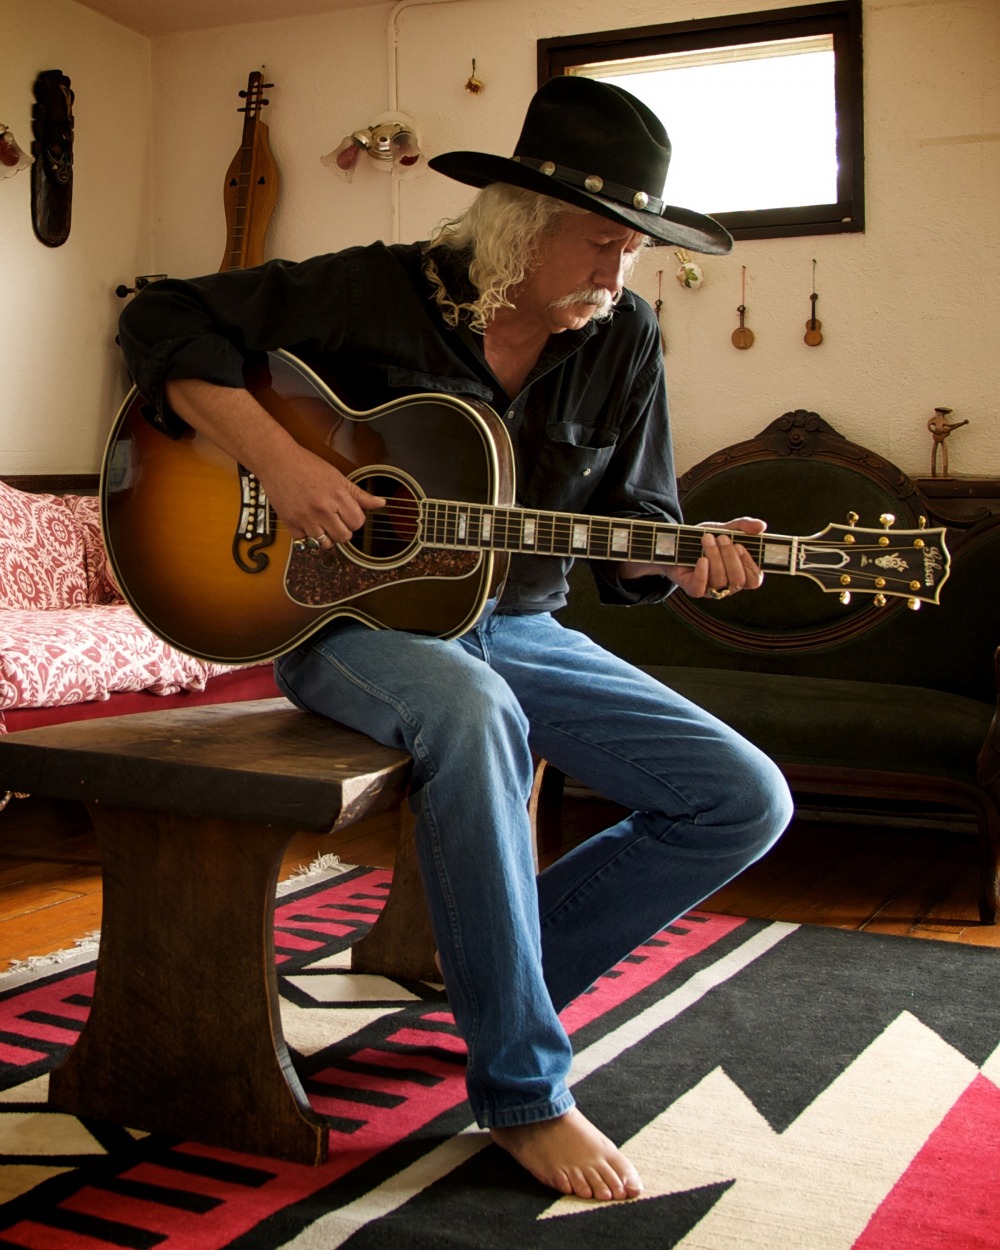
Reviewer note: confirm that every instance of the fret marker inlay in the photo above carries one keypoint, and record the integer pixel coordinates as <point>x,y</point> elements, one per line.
<point>666,543</point>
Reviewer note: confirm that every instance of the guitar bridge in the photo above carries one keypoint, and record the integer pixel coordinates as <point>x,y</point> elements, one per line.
<point>255,530</point>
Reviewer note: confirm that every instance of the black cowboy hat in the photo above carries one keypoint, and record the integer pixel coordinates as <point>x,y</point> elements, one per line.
<point>594,145</point>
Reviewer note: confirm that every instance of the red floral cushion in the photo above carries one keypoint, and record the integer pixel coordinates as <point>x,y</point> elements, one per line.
<point>42,560</point>
<point>48,659</point>
<point>101,586</point>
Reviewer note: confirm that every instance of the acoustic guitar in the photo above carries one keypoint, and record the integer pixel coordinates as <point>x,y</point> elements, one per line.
<point>199,554</point>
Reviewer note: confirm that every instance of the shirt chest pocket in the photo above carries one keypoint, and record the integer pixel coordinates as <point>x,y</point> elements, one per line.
<point>580,447</point>
<point>570,462</point>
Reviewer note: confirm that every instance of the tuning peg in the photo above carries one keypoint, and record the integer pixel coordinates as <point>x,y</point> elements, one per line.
<point>913,605</point>
<point>852,519</point>
<point>886,520</point>
<point>879,601</point>
<point>845,597</point>
<point>921,522</point>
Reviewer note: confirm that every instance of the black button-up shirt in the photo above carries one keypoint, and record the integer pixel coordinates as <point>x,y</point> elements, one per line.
<point>590,427</point>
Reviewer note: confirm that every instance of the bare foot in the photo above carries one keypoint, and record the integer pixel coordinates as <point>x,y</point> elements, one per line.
<point>571,1155</point>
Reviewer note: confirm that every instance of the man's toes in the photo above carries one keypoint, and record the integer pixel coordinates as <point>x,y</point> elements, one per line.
<point>633,1185</point>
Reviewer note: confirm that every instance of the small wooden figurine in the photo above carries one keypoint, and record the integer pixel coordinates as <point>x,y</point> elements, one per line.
<point>940,427</point>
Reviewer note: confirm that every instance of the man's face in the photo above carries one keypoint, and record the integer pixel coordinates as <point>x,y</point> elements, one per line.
<point>580,269</point>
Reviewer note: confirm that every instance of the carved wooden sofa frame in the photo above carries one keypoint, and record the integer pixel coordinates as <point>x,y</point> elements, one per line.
<point>853,702</point>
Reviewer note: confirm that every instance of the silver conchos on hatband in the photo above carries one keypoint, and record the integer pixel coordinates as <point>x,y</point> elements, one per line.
<point>595,184</point>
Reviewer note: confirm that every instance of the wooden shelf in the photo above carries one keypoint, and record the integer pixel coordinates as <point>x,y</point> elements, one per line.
<point>962,499</point>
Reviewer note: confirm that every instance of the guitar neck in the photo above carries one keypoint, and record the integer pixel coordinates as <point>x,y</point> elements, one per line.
<point>463,526</point>
<point>910,564</point>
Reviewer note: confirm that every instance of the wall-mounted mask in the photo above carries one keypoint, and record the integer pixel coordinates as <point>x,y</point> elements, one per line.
<point>52,172</point>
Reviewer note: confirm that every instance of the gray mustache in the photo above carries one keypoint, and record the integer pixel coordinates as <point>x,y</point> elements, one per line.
<point>598,296</point>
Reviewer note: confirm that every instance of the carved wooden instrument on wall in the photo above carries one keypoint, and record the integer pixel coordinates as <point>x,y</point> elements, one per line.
<point>814,327</point>
<point>251,189</point>
<point>201,557</point>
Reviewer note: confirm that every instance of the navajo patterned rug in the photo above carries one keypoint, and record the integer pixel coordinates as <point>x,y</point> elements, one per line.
<point>779,1087</point>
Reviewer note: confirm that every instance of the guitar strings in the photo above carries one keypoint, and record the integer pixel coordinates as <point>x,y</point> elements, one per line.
<point>513,515</point>
<point>507,523</point>
<point>402,523</point>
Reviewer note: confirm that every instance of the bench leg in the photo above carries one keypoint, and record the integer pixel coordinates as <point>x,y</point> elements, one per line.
<point>400,943</point>
<point>184,1035</point>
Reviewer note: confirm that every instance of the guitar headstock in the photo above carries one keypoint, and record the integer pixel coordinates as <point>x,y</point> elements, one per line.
<point>887,563</point>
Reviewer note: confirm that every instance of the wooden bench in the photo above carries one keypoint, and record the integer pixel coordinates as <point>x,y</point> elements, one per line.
<point>193,809</point>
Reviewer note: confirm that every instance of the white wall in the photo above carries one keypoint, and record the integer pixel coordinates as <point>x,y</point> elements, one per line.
<point>62,375</point>
<point>908,307</point>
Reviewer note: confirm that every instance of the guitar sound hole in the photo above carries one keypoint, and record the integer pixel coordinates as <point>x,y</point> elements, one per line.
<point>389,532</point>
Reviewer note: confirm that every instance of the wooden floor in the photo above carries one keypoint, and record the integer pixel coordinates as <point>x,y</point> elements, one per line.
<point>914,882</point>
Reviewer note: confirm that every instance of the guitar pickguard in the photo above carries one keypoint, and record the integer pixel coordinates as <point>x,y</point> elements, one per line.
<point>321,580</point>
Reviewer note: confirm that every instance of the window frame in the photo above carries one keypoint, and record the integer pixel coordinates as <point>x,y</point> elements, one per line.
<point>839,18</point>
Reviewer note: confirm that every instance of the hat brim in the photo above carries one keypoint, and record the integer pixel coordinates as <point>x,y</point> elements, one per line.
<point>680,226</point>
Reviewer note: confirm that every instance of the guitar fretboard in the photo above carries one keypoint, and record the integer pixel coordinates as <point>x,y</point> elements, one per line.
<point>464,526</point>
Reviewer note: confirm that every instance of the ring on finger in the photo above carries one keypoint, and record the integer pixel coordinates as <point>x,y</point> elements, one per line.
<point>720,594</point>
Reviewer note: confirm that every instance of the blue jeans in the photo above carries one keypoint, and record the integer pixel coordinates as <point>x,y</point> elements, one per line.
<point>515,949</point>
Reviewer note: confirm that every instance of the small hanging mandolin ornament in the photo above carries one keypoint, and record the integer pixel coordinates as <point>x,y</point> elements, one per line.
<point>742,335</point>
<point>659,308</point>
<point>812,336</point>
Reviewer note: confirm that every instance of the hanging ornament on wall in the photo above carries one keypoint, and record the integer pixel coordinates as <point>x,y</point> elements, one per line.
<point>742,336</point>
<point>12,159</point>
<point>689,275</point>
<point>812,336</point>
<point>658,306</point>
<point>390,142</point>
<point>473,84</point>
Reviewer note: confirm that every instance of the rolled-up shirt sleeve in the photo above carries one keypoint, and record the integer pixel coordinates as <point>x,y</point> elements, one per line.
<point>207,327</point>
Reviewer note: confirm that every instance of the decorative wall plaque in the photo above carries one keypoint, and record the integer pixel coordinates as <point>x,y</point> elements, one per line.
<point>52,148</point>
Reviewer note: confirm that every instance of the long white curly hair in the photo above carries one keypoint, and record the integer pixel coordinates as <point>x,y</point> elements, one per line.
<point>498,237</point>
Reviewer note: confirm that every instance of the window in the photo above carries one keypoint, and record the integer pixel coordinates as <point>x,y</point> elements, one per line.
<point>764,111</point>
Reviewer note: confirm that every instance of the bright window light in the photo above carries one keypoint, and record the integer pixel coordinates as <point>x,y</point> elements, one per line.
<point>765,111</point>
<point>752,126</point>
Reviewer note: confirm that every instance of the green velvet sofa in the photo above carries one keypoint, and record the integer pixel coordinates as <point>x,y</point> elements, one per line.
<point>854,701</point>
